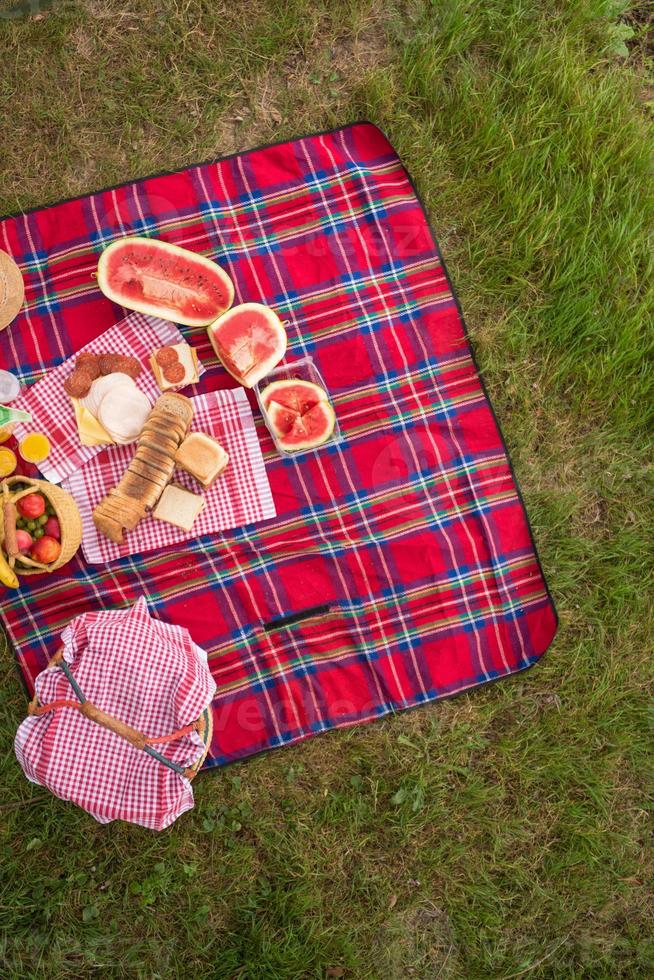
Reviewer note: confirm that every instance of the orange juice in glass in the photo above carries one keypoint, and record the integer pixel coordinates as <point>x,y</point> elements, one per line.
<point>8,461</point>
<point>34,447</point>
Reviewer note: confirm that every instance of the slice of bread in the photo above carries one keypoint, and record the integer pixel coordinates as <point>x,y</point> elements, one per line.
<point>176,405</point>
<point>124,510</point>
<point>153,474</point>
<point>166,425</point>
<point>203,457</point>
<point>178,506</point>
<point>140,488</point>
<point>155,457</point>
<point>166,444</point>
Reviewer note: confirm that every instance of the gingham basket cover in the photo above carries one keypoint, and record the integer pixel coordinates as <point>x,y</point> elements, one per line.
<point>149,675</point>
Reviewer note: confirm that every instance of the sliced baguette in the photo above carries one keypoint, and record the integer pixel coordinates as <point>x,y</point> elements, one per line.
<point>140,488</point>
<point>123,509</point>
<point>154,475</point>
<point>160,443</point>
<point>155,460</point>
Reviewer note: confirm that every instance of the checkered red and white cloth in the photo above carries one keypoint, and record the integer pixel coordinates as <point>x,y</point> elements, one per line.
<point>52,410</point>
<point>147,674</point>
<point>240,496</point>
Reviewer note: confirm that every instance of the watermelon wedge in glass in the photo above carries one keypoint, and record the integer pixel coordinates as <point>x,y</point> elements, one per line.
<point>296,408</point>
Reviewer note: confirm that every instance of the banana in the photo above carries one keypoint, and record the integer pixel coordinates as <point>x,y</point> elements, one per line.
<point>7,575</point>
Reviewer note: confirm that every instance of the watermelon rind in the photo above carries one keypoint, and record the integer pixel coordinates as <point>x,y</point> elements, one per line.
<point>159,308</point>
<point>264,319</point>
<point>296,441</point>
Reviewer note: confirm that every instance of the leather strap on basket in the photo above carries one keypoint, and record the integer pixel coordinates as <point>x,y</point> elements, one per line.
<point>131,735</point>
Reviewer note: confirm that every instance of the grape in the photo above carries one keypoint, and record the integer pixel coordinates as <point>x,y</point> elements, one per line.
<point>20,523</point>
<point>42,519</point>
<point>31,525</point>
<point>39,532</point>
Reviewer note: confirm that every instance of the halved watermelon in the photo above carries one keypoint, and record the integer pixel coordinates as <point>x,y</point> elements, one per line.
<point>163,280</point>
<point>249,340</point>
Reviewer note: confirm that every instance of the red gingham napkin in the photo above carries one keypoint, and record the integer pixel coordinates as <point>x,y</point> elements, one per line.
<point>240,496</point>
<point>52,410</point>
<point>147,674</point>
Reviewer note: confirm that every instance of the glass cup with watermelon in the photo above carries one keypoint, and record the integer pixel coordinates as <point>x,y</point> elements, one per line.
<point>296,408</point>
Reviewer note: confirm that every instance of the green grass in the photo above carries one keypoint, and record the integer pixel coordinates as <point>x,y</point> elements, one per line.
<point>506,833</point>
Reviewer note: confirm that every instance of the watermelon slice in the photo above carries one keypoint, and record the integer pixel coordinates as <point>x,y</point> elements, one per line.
<point>309,430</point>
<point>299,414</point>
<point>163,280</point>
<point>249,340</point>
<point>281,418</point>
<point>293,393</point>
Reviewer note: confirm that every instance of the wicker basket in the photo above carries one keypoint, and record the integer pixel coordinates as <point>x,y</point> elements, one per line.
<point>66,512</point>
<point>206,733</point>
<point>204,724</point>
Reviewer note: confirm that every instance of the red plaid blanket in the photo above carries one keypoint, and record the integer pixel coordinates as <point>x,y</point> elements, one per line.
<point>400,567</point>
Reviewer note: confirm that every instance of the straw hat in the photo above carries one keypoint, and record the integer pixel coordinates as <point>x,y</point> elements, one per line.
<point>12,290</point>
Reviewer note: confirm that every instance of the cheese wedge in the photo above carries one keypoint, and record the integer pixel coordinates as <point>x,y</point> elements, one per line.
<point>91,433</point>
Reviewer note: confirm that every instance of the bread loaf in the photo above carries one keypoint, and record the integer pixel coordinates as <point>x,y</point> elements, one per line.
<point>151,469</point>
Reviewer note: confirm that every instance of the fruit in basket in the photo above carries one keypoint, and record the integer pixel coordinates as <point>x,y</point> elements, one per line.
<point>46,550</point>
<point>249,340</point>
<point>24,541</point>
<point>51,527</point>
<point>31,506</point>
<point>163,280</point>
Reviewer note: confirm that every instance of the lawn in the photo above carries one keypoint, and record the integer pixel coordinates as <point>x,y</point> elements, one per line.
<point>506,833</point>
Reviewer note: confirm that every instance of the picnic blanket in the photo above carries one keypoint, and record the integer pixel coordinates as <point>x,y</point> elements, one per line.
<point>399,567</point>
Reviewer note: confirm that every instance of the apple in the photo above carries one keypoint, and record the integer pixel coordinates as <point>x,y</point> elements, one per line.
<point>24,541</point>
<point>31,506</point>
<point>46,550</point>
<point>52,528</point>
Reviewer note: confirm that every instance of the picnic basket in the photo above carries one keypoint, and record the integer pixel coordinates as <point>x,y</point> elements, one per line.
<point>203,725</point>
<point>66,512</point>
